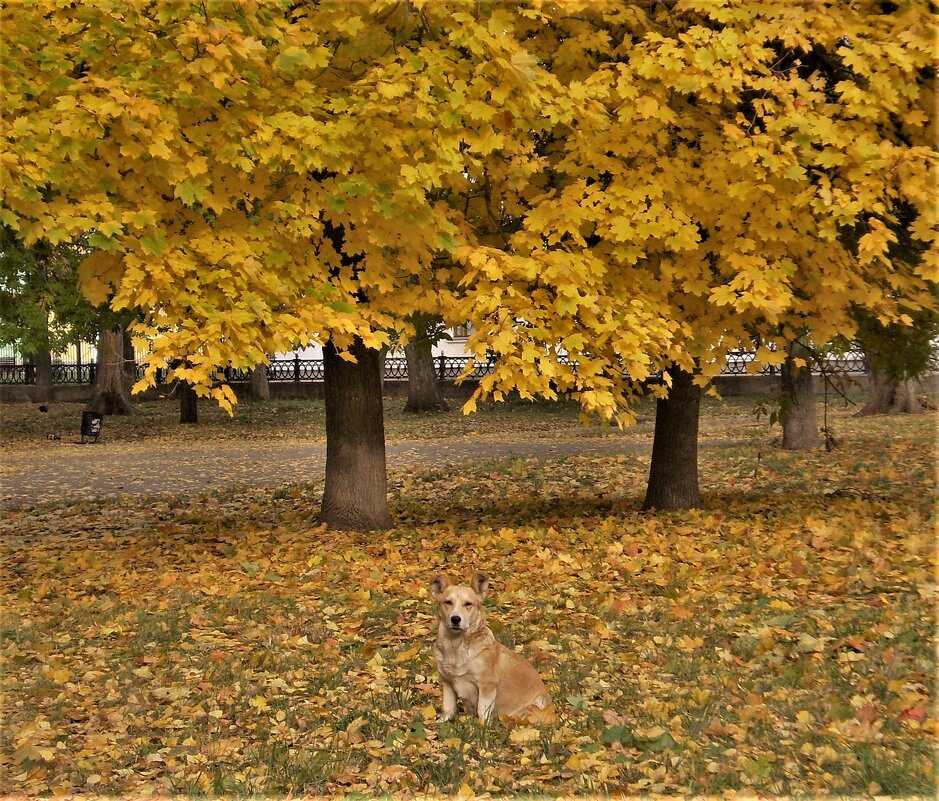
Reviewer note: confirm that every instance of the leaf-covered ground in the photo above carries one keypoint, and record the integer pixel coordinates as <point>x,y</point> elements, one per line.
<point>270,445</point>
<point>779,640</point>
<point>25,426</point>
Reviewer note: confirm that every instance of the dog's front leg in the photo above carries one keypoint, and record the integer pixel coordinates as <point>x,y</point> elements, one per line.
<point>449,701</point>
<point>486,705</point>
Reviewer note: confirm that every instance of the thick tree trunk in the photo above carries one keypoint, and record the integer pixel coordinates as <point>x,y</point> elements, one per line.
<point>260,388</point>
<point>424,392</point>
<point>109,395</point>
<point>355,496</point>
<point>188,403</point>
<point>42,361</point>
<point>673,475</point>
<point>888,395</point>
<point>799,419</point>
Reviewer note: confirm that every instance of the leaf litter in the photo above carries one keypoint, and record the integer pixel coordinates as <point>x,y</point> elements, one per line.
<point>778,641</point>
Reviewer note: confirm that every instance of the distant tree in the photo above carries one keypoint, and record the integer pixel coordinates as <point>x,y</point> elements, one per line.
<point>41,308</point>
<point>797,412</point>
<point>260,387</point>
<point>186,392</point>
<point>897,356</point>
<point>188,403</point>
<point>109,394</point>
<point>424,391</point>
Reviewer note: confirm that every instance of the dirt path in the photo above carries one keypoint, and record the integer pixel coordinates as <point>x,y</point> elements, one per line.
<point>67,472</point>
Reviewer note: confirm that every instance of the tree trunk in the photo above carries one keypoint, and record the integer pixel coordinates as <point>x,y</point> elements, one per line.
<point>799,419</point>
<point>42,360</point>
<point>109,395</point>
<point>260,388</point>
<point>355,496</point>
<point>888,395</point>
<point>673,475</point>
<point>129,366</point>
<point>188,403</point>
<point>424,392</point>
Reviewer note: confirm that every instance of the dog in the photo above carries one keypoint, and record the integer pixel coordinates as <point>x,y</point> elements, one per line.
<point>475,668</point>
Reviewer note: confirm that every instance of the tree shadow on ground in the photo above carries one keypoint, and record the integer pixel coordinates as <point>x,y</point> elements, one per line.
<point>512,511</point>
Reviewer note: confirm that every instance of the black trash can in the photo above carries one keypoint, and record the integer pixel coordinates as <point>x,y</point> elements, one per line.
<point>91,425</point>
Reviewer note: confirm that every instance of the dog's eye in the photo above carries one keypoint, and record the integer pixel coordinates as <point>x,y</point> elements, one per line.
<point>468,604</point>
<point>448,603</point>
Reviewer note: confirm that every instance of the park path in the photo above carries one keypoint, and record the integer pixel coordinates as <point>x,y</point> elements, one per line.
<point>63,472</point>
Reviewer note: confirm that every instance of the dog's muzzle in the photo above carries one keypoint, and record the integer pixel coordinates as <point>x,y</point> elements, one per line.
<point>455,621</point>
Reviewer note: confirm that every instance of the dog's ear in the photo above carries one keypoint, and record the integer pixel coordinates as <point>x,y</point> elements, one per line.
<point>438,585</point>
<point>480,585</point>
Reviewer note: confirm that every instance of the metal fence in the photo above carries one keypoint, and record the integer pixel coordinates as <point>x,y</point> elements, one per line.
<point>448,368</point>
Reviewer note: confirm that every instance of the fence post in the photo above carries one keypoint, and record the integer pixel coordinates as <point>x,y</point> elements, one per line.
<point>296,367</point>
<point>443,367</point>
<point>91,372</point>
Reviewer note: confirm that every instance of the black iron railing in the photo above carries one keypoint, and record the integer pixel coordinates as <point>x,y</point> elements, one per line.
<point>852,361</point>
<point>448,368</point>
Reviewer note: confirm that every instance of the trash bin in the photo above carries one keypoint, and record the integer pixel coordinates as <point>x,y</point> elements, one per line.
<point>91,425</point>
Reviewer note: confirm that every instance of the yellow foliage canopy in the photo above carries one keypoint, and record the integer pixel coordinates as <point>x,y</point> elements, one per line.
<point>625,184</point>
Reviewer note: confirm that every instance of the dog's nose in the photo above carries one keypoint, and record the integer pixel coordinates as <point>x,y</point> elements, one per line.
<point>454,620</point>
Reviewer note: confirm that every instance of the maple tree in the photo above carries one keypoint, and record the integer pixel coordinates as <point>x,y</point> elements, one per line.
<point>716,155</point>
<point>634,188</point>
<point>257,176</point>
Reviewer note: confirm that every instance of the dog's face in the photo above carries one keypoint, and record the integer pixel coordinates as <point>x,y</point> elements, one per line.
<point>460,608</point>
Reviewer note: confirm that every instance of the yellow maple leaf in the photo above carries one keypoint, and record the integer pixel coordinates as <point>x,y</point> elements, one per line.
<point>525,734</point>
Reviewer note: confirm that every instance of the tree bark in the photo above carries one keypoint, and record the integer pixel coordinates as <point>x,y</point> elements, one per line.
<point>355,496</point>
<point>42,366</point>
<point>42,361</point>
<point>260,388</point>
<point>109,395</point>
<point>424,391</point>
<point>673,474</point>
<point>888,395</point>
<point>188,403</point>
<point>129,366</point>
<point>799,418</point>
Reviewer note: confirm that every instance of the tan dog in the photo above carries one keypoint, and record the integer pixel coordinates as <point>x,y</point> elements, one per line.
<point>474,667</point>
